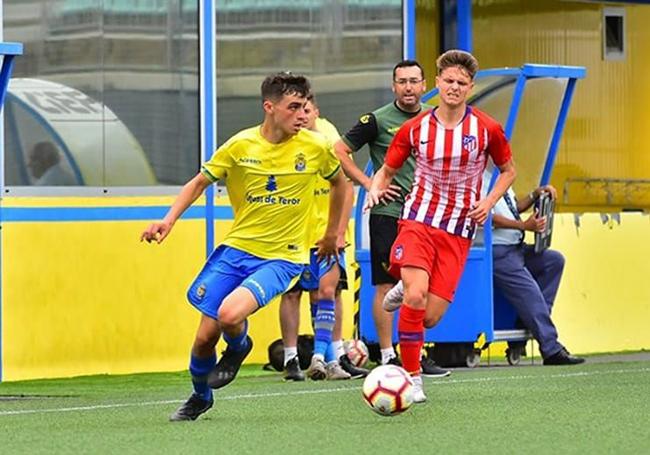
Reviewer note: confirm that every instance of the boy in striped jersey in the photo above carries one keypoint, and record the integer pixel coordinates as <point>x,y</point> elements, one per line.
<point>451,145</point>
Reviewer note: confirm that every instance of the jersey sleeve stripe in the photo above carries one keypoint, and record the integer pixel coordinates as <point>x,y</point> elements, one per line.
<point>208,175</point>
<point>333,173</point>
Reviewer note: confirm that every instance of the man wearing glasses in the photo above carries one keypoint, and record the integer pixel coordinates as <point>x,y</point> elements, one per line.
<point>377,129</point>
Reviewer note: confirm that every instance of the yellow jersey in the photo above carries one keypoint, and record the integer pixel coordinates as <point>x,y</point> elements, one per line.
<point>271,190</point>
<point>321,211</point>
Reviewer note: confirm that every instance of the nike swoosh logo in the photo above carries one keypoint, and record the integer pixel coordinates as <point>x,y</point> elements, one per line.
<point>424,142</point>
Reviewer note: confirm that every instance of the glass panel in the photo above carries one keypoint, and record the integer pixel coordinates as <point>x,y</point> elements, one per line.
<point>55,92</point>
<point>346,47</point>
<point>534,127</point>
<point>113,85</point>
<point>150,58</point>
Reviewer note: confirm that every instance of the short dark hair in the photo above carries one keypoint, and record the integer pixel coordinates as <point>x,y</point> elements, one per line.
<point>407,64</point>
<point>275,86</point>
<point>312,97</point>
<point>456,57</point>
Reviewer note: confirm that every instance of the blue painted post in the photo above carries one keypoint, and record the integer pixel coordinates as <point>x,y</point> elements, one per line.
<point>358,211</point>
<point>464,25</point>
<point>8,51</point>
<point>408,29</point>
<point>517,96</point>
<point>208,108</point>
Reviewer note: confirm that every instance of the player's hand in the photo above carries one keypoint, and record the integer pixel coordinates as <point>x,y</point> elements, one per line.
<point>340,242</point>
<point>326,248</point>
<point>373,197</point>
<point>480,211</point>
<point>535,223</point>
<point>376,197</point>
<point>391,193</point>
<point>156,232</point>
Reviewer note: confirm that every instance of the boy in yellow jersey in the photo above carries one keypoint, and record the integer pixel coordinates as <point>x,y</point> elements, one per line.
<point>324,280</point>
<point>271,172</point>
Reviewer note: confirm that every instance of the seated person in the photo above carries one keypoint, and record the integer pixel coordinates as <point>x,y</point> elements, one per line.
<point>528,280</point>
<point>44,163</point>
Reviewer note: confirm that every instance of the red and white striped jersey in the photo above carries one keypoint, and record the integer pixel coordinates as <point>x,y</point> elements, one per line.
<point>449,166</point>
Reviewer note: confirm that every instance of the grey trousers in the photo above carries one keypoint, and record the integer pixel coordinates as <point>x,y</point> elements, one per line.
<point>530,282</point>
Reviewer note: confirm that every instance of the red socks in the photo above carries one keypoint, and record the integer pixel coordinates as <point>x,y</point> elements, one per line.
<point>410,327</point>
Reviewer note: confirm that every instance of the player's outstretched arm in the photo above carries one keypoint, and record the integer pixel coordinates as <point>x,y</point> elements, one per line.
<point>480,211</point>
<point>191,191</point>
<point>347,212</point>
<point>349,167</point>
<point>327,246</point>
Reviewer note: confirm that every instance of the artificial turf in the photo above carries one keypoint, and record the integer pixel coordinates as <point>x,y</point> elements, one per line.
<point>598,407</point>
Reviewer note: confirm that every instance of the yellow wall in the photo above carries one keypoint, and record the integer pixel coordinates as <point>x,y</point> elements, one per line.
<point>605,132</point>
<point>427,29</point>
<point>87,297</point>
<point>604,302</point>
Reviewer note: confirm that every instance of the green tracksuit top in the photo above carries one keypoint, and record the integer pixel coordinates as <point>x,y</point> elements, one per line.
<point>377,129</point>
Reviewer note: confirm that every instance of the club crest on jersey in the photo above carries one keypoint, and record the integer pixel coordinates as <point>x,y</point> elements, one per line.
<point>399,252</point>
<point>470,143</point>
<point>301,162</point>
<point>271,184</point>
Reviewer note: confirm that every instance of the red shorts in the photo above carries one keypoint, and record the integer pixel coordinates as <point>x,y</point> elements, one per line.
<point>441,254</point>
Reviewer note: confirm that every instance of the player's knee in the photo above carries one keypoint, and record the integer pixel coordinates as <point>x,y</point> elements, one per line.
<point>431,320</point>
<point>558,260</point>
<point>415,297</point>
<point>327,293</point>
<point>291,299</point>
<point>229,316</point>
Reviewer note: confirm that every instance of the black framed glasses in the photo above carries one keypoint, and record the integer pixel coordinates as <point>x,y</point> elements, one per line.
<point>412,81</point>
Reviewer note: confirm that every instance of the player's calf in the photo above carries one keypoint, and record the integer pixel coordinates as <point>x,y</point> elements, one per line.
<point>394,298</point>
<point>228,366</point>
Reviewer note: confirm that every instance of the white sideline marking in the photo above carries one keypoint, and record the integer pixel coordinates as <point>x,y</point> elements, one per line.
<point>312,392</point>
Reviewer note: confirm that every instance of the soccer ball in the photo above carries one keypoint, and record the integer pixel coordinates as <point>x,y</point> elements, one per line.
<point>388,390</point>
<point>357,352</point>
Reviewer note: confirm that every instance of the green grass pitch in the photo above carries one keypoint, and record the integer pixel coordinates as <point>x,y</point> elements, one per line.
<point>598,407</point>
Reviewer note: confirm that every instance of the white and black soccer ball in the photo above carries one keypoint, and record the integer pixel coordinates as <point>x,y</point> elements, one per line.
<point>388,390</point>
<point>357,352</point>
